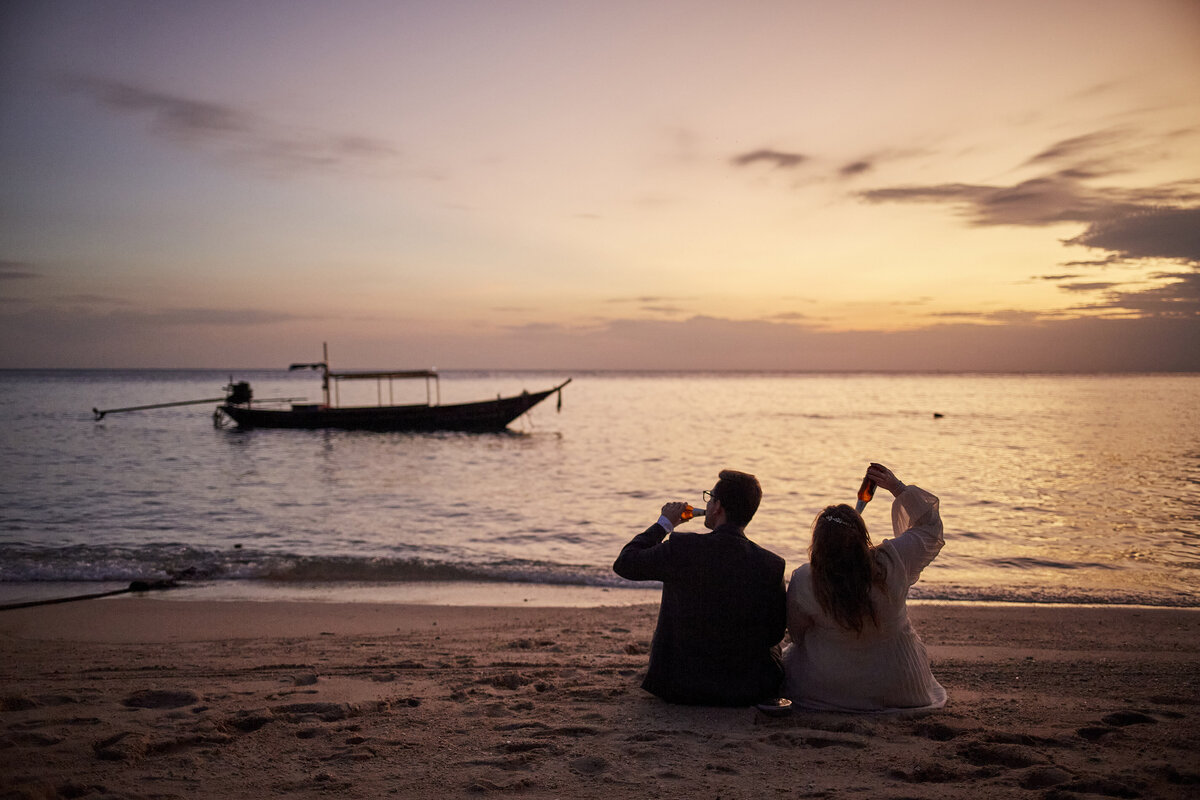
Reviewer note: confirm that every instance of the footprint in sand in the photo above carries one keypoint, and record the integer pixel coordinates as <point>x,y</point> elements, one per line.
<point>937,731</point>
<point>1013,756</point>
<point>1044,778</point>
<point>324,712</point>
<point>301,678</point>
<point>1112,723</point>
<point>510,680</point>
<point>1093,733</point>
<point>935,772</point>
<point>588,765</point>
<point>126,746</point>
<point>159,698</point>
<point>34,738</point>
<point>1121,719</point>
<point>1107,787</point>
<point>249,721</point>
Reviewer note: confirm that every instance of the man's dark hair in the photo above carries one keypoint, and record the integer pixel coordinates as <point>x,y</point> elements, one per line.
<point>739,494</point>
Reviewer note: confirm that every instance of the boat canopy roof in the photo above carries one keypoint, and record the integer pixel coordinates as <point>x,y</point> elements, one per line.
<point>411,373</point>
<point>364,376</point>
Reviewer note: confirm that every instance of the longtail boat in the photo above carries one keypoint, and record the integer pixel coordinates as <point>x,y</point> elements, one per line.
<point>479,417</point>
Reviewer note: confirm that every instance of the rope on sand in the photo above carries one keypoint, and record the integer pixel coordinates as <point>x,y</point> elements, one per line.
<point>136,586</point>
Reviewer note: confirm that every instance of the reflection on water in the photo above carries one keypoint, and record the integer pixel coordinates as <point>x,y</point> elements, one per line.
<point>1080,487</point>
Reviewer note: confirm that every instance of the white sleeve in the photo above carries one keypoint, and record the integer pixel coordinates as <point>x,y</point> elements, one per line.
<point>918,529</point>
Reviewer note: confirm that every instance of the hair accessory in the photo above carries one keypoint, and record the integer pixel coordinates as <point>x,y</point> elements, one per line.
<point>837,520</point>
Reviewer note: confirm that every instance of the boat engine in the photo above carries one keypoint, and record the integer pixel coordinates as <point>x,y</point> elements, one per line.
<point>238,393</point>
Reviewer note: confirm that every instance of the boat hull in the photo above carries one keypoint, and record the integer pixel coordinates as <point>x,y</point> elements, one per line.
<point>480,417</point>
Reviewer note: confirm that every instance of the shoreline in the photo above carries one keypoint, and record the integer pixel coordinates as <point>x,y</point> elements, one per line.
<point>447,593</point>
<point>460,593</point>
<point>140,696</point>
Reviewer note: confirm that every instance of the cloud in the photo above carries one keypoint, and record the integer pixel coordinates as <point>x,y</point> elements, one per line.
<point>642,299</point>
<point>74,335</point>
<point>1107,261</point>
<point>206,316</point>
<point>1150,233</point>
<point>92,299</point>
<point>17,271</point>
<point>158,318</point>
<point>1011,340</point>
<point>977,342</point>
<point>1035,202</point>
<point>779,159</point>
<point>171,114</point>
<point>855,168</point>
<point>1080,147</point>
<point>1086,287</point>
<point>233,131</point>
<point>1131,223</point>
<point>1006,316</point>
<point>1178,298</point>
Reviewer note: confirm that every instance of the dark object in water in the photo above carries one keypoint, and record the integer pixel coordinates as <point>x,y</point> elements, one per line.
<point>484,416</point>
<point>938,415</point>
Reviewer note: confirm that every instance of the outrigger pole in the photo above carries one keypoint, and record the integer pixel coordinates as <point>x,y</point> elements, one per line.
<point>100,414</point>
<point>236,393</point>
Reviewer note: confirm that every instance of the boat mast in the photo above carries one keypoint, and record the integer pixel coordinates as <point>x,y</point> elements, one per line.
<point>325,371</point>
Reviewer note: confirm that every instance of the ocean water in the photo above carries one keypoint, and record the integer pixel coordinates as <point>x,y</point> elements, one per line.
<point>1076,489</point>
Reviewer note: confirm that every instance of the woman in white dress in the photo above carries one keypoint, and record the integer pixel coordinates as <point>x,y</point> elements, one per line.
<point>853,648</point>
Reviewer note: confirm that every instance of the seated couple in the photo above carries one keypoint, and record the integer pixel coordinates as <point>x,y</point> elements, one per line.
<point>724,606</point>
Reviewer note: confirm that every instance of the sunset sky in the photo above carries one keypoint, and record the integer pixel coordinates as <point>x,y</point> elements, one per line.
<point>938,185</point>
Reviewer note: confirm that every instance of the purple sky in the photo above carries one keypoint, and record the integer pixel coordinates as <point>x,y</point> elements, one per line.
<point>651,185</point>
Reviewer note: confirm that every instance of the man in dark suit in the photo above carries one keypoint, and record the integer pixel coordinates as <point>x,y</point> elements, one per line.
<point>723,603</point>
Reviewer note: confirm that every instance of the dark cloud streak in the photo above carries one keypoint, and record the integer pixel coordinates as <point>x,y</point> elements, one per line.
<point>1160,222</point>
<point>777,158</point>
<point>1180,298</point>
<point>1087,287</point>
<point>1172,233</point>
<point>17,271</point>
<point>171,114</point>
<point>233,131</point>
<point>1078,147</point>
<point>1035,202</point>
<point>855,168</point>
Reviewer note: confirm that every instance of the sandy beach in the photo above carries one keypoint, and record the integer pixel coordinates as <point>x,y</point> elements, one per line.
<point>144,697</point>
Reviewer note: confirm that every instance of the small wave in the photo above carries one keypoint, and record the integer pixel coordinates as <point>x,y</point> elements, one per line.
<point>1045,563</point>
<point>1032,510</point>
<point>305,569</point>
<point>85,563</point>
<point>100,564</point>
<point>1055,596</point>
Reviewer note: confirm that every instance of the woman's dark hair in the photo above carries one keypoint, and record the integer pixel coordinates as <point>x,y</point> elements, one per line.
<point>739,494</point>
<point>844,567</point>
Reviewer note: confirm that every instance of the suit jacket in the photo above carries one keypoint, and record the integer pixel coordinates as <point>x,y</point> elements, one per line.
<point>722,615</point>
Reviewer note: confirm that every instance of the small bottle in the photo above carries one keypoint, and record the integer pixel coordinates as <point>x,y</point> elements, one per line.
<point>865,493</point>
<point>689,512</point>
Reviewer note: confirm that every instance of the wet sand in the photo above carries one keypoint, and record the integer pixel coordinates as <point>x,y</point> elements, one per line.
<point>142,697</point>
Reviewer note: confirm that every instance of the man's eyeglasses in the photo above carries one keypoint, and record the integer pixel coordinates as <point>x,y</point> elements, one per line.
<point>707,495</point>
